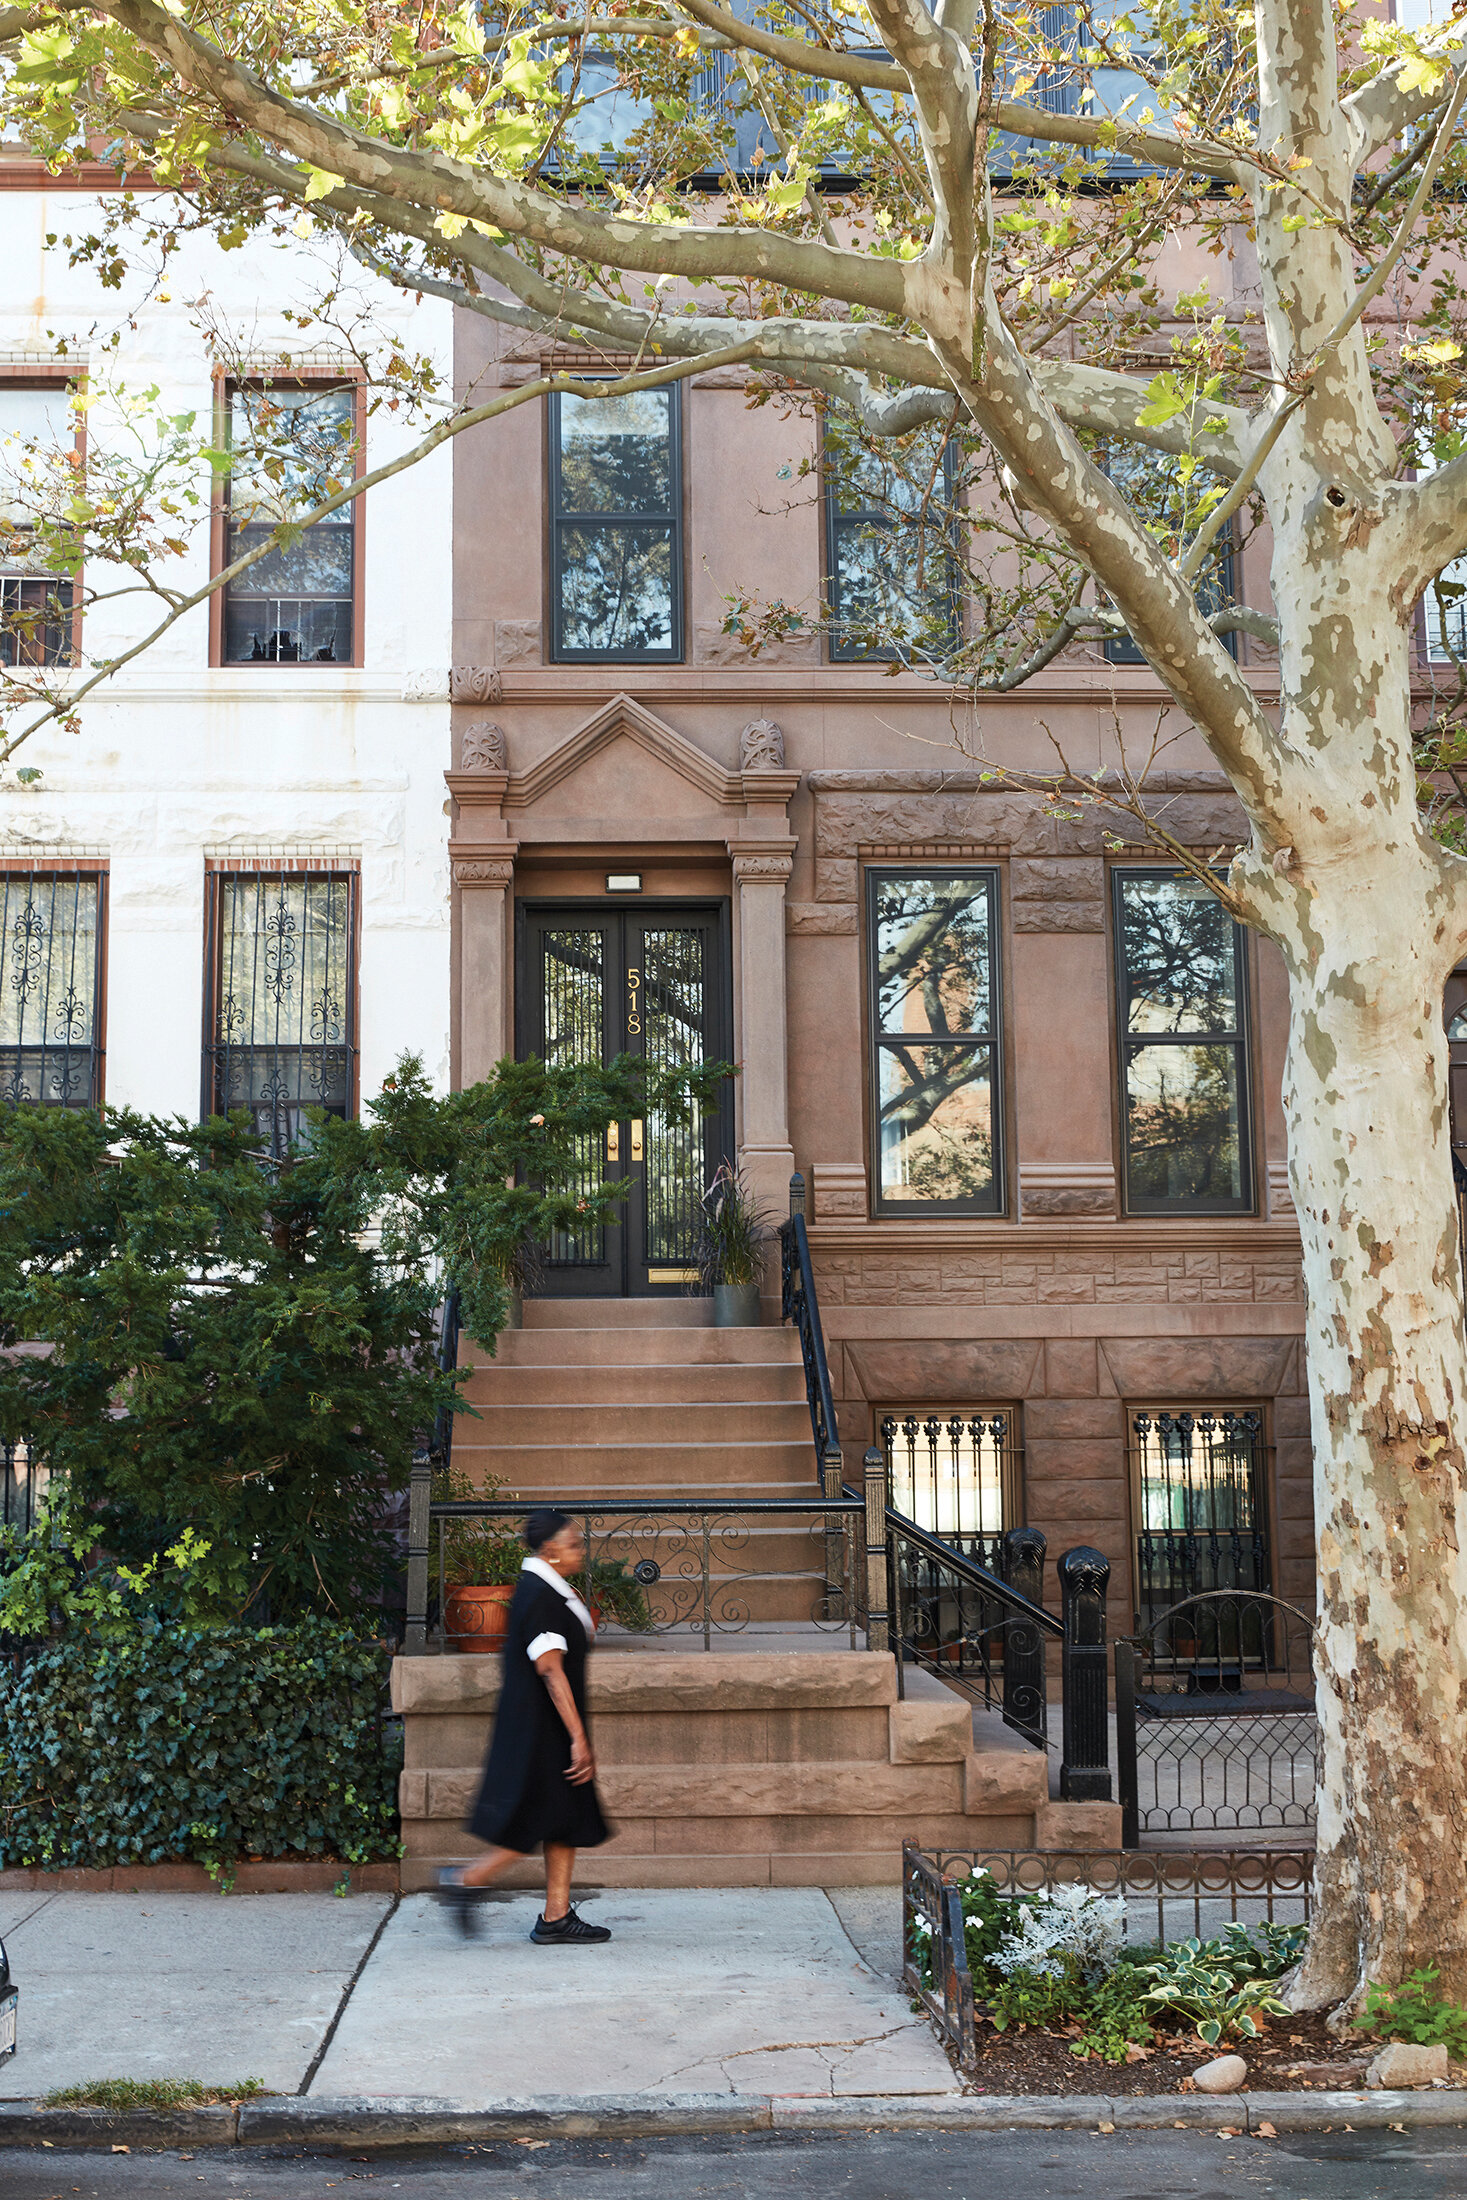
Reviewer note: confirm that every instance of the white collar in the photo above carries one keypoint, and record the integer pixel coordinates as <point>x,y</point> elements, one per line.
<point>538,1566</point>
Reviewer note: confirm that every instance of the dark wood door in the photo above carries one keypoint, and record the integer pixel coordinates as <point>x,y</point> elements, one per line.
<point>595,980</point>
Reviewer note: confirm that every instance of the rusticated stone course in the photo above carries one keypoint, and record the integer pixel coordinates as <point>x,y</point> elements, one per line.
<point>1060,1278</point>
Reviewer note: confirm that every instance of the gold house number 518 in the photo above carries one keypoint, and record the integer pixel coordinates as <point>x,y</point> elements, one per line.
<point>634,1001</point>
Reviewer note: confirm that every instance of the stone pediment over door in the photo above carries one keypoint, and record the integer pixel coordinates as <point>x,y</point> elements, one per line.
<point>625,774</point>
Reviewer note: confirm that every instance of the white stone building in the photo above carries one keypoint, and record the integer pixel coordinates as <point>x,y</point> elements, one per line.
<point>253,813</point>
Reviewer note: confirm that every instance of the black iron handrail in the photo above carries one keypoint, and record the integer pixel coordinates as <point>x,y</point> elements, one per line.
<point>449,1330</point>
<point>798,1304</point>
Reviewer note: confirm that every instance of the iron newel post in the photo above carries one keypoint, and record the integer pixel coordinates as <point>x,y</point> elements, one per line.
<point>1085,1767</point>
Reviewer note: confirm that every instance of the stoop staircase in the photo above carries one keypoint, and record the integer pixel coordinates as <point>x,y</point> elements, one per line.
<point>779,1758</point>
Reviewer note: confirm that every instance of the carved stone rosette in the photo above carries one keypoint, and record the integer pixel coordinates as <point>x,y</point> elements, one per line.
<point>485,748</point>
<point>761,746</point>
<point>475,684</point>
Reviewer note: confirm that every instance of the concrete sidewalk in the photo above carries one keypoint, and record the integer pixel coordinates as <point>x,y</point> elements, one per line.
<point>731,1992</point>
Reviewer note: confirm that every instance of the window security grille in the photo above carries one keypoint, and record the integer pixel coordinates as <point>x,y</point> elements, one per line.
<point>1201,1510</point>
<point>49,971</point>
<point>616,493</point>
<point>290,448</point>
<point>1182,979</point>
<point>955,1471</point>
<point>281,1002</point>
<point>934,980</point>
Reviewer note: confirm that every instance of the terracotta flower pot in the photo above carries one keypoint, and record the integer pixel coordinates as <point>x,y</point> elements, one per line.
<point>477,1619</point>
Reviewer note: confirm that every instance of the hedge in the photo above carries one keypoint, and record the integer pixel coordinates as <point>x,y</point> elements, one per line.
<point>162,1745</point>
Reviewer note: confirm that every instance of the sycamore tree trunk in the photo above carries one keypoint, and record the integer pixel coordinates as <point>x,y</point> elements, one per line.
<point>1366,908</point>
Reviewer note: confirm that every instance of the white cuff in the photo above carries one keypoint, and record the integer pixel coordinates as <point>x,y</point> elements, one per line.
<point>542,1643</point>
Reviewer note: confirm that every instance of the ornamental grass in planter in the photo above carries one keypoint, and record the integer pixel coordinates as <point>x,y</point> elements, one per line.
<point>732,1241</point>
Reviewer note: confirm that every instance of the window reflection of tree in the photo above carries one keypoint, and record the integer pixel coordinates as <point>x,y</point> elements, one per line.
<point>933,984</point>
<point>1178,943</point>
<point>1184,1141</point>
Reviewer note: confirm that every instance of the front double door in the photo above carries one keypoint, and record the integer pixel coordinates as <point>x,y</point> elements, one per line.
<point>594,981</point>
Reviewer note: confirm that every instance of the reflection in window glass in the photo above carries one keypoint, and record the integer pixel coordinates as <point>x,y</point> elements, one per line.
<point>616,489</point>
<point>934,1014</point>
<point>37,436</point>
<point>888,548</point>
<point>607,112</point>
<point>289,449</point>
<point>1183,1045</point>
<point>1172,509</point>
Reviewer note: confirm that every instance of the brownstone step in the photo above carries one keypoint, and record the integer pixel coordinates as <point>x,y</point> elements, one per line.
<point>663,1345</point>
<point>775,1382</point>
<point>654,1425</point>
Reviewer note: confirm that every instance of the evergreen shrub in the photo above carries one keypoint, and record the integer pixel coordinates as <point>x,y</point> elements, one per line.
<point>150,1745</point>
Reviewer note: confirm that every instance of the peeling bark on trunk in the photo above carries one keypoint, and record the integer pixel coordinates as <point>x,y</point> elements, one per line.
<point>1366,909</point>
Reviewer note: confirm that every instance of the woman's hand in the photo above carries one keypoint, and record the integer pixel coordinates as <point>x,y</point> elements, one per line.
<point>583,1761</point>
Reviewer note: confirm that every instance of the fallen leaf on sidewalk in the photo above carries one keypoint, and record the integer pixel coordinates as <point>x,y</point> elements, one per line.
<point>532,2142</point>
<point>122,2150</point>
<point>1265,2131</point>
<point>1105,2127</point>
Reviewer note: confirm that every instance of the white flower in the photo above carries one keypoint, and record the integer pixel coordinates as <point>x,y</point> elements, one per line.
<point>979,1871</point>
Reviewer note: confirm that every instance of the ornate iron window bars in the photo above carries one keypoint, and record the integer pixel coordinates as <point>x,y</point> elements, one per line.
<point>1201,1507</point>
<point>50,970</point>
<point>281,998</point>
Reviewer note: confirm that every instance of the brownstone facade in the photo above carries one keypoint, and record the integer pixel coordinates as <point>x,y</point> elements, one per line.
<point>769,787</point>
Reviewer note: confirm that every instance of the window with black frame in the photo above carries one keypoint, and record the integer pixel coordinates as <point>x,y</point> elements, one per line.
<point>50,981</point>
<point>1181,968</point>
<point>289,450</point>
<point>934,977</point>
<point>1170,502</point>
<point>616,528</point>
<point>37,439</point>
<point>890,579</point>
<point>281,1007</point>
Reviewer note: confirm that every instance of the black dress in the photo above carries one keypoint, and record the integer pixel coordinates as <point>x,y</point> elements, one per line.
<point>525,1797</point>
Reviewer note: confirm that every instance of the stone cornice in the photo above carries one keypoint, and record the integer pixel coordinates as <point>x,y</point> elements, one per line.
<point>1148,1233</point>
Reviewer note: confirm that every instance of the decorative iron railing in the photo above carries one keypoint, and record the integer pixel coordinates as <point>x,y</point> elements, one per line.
<point>666,1567</point>
<point>1216,1728</point>
<point>23,1479</point>
<point>799,1305</point>
<point>978,1628</point>
<point>1170,1895</point>
<point>971,1627</point>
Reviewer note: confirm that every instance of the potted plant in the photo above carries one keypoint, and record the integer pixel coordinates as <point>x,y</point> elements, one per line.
<point>731,1245</point>
<point>481,1564</point>
<point>521,1272</point>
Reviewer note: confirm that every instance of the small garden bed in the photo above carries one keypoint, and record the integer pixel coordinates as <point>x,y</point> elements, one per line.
<point>1037,1990</point>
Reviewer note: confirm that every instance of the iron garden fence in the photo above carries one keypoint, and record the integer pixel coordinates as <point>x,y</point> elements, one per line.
<point>1216,1729</point>
<point>1169,1895</point>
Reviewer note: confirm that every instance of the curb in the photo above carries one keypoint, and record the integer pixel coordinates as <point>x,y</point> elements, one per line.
<point>26,2124</point>
<point>415,2121</point>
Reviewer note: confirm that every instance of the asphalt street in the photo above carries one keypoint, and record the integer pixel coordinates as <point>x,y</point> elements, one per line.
<point>1425,2165</point>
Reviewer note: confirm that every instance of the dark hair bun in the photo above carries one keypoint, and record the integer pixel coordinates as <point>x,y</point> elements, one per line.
<point>543,1524</point>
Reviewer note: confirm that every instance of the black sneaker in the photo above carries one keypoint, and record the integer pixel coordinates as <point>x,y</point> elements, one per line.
<point>460,1901</point>
<point>569,1931</point>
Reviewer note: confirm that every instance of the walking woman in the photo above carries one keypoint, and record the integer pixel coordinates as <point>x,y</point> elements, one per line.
<point>539,1785</point>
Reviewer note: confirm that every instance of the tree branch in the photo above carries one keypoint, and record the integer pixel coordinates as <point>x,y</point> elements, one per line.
<point>1380,110</point>
<point>436,183</point>
<point>1152,148</point>
<point>568,385</point>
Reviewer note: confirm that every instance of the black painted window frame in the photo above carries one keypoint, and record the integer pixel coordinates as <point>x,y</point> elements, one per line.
<point>562,516</point>
<point>74,1061</point>
<point>839,523</point>
<point>990,877</point>
<point>1127,1043</point>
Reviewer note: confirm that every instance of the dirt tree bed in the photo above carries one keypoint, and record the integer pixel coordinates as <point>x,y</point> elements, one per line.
<point>1292,2055</point>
